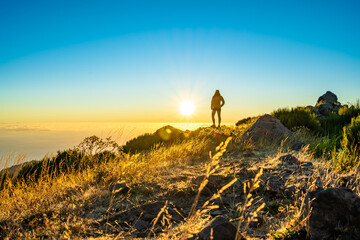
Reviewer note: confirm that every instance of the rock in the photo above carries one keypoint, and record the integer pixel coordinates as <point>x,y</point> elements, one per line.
<point>119,188</point>
<point>274,186</point>
<point>244,173</point>
<point>271,184</point>
<point>206,192</point>
<point>154,208</point>
<point>224,201</point>
<point>306,166</point>
<point>140,224</point>
<point>215,182</point>
<point>298,146</point>
<point>325,109</point>
<point>289,159</point>
<point>216,213</point>
<point>335,214</point>
<point>328,97</point>
<point>267,128</point>
<point>327,104</point>
<point>148,217</point>
<point>222,229</point>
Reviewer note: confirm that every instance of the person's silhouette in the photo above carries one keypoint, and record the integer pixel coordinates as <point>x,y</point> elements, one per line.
<point>216,103</point>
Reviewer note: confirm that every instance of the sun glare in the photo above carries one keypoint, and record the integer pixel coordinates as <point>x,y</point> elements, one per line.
<point>187,108</point>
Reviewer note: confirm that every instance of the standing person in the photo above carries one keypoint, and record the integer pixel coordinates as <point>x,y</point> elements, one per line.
<point>216,103</point>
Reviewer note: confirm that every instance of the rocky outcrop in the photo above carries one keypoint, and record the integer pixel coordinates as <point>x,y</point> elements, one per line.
<point>328,97</point>
<point>335,214</point>
<point>266,129</point>
<point>327,104</point>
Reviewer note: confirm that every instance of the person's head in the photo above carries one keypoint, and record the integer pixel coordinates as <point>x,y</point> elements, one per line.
<point>217,93</point>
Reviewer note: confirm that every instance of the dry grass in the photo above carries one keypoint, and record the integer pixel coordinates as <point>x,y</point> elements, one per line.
<point>62,198</point>
<point>80,204</point>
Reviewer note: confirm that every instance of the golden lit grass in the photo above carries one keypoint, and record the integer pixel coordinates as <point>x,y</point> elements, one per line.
<point>70,205</point>
<point>198,217</point>
<point>56,194</point>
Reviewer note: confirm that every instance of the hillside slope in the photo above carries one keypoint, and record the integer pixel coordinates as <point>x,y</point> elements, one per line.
<point>171,191</point>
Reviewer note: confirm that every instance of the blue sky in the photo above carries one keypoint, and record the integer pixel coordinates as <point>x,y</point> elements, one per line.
<point>137,60</point>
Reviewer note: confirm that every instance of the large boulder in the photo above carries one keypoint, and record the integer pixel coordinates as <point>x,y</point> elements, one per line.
<point>327,104</point>
<point>325,109</point>
<point>328,97</point>
<point>266,129</point>
<point>334,214</point>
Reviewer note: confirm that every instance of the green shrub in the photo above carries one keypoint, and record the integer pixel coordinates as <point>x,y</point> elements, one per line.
<point>331,125</point>
<point>344,160</point>
<point>351,136</point>
<point>168,136</point>
<point>165,135</point>
<point>325,145</point>
<point>297,117</point>
<point>90,152</point>
<point>243,121</point>
<point>348,156</point>
<point>64,162</point>
<point>329,129</point>
<point>347,113</point>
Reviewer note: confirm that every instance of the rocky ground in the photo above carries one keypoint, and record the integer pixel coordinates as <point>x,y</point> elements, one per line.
<point>288,180</point>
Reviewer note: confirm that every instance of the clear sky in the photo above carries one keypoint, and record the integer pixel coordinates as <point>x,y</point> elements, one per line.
<point>138,60</point>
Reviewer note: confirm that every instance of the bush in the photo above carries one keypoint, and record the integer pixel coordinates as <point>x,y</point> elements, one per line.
<point>91,151</point>
<point>297,117</point>
<point>330,129</point>
<point>351,136</point>
<point>64,162</point>
<point>165,135</point>
<point>168,136</point>
<point>331,125</point>
<point>344,160</point>
<point>325,146</point>
<point>347,113</point>
<point>243,121</point>
<point>348,156</point>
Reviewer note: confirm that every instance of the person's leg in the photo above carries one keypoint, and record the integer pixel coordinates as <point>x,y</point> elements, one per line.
<point>213,117</point>
<point>219,116</point>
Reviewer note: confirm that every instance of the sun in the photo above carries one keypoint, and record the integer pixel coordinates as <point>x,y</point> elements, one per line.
<point>187,108</point>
